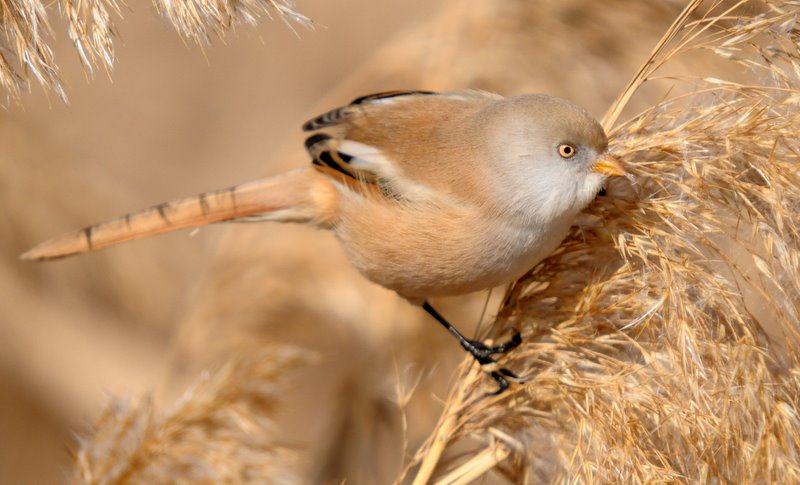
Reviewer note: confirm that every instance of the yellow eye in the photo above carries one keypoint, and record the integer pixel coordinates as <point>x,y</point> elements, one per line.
<point>566,150</point>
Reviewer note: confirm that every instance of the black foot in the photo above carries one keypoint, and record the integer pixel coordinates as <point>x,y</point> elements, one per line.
<point>502,383</point>
<point>479,349</point>
<point>500,377</point>
<point>482,352</point>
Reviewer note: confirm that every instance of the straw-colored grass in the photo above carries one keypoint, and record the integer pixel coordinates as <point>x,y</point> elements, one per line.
<point>26,54</point>
<point>661,339</point>
<point>219,432</point>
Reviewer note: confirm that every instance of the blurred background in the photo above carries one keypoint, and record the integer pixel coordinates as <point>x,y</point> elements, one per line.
<point>148,317</point>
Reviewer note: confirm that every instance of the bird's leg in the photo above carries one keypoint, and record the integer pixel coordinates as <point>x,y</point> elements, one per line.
<point>480,351</point>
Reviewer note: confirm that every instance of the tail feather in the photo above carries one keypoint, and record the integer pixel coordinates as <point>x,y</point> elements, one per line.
<point>298,196</point>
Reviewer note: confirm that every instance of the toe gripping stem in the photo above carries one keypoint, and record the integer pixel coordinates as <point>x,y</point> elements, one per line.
<point>482,352</point>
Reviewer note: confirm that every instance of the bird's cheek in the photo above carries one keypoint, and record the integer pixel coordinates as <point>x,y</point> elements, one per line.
<point>593,183</point>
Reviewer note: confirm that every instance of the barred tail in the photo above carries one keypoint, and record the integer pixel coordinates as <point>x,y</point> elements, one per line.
<point>301,195</point>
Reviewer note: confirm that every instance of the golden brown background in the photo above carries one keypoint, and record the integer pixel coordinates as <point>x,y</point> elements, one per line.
<point>147,317</point>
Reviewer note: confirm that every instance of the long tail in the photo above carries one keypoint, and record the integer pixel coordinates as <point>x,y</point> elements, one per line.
<point>301,195</point>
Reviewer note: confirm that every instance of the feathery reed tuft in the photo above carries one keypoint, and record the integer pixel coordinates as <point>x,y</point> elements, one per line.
<point>25,51</point>
<point>218,433</point>
<point>661,340</point>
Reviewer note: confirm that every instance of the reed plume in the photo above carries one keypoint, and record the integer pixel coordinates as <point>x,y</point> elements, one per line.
<point>26,53</point>
<point>219,432</point>
<point>661,338</point>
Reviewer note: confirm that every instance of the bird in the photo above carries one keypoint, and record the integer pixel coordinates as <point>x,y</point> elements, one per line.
<point>429,194</point>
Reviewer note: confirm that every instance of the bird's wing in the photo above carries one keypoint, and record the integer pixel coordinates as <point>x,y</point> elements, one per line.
<point>402,144</point>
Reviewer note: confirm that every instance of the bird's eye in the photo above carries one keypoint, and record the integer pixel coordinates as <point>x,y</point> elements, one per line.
<point>566,150</point>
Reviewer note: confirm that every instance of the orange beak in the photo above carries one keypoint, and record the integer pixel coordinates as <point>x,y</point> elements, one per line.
<point>609,165</point>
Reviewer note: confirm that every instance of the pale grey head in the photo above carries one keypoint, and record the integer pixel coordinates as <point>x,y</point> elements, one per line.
<point>548,155</point>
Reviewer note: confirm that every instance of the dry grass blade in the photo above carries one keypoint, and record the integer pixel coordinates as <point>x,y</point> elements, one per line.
<point>661,339</point>
<point>25,53</point>
<point>649,66</point>
<point>218,433</point>
<point>476,467</point>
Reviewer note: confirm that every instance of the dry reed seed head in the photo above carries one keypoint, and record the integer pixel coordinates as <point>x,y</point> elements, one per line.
<point>25,26</point>
<point>91,30</point>
<point>219,432</point>
<point>197,20</point>
<point>25,52</point>
<point>661,338</point>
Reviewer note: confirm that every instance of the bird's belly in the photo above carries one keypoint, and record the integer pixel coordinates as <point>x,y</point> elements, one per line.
<point>445,256</point>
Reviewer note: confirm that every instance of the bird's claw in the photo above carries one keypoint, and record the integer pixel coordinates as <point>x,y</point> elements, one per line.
<point>502,376</point>
<point>482,351</point>
<point>516,339</point>
<point>502,382</point>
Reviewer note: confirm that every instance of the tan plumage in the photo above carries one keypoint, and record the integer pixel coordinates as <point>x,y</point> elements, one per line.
<point>412,184</point>
<point>302,195</point>
<point>429,194</point>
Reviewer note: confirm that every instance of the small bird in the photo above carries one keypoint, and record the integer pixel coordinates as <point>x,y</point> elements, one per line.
<point>430,194</point>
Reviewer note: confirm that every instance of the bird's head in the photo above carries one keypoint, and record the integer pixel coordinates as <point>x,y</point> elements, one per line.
<point>549,157</point>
